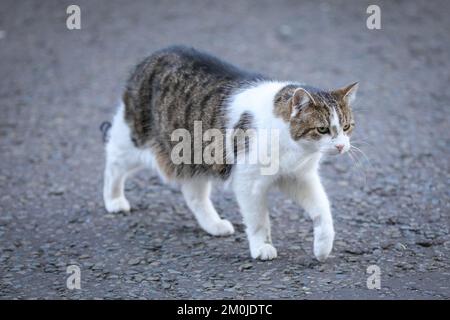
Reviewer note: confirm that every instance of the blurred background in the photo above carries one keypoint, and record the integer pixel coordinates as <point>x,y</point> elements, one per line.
<point>391,206</point>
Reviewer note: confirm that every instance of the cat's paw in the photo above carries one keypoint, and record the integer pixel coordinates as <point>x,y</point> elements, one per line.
<point>220,228</point>
<point>323,243</point>
<point>117,205</point>
<point>264,252</point>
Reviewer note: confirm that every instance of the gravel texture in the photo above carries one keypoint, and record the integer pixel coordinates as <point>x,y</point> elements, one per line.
<point>391,210</point>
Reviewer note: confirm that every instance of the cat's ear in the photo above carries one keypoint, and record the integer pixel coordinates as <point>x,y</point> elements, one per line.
<point>348,93</point>
<point>300,99</point>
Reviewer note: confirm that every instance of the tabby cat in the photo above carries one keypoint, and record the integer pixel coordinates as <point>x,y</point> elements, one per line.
<point>180,88</point>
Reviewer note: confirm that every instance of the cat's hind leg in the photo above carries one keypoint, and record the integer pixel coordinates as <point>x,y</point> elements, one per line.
<point>122,159</point>
<point>196,193</point>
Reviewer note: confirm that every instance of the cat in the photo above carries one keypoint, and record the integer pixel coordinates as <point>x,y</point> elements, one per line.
<point>179,86</point>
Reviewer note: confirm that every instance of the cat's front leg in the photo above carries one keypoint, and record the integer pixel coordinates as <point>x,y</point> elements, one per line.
<point>251,195</point>
<point>310,194</point>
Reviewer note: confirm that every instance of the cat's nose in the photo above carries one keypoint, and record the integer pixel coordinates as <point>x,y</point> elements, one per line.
<point>340,147</point>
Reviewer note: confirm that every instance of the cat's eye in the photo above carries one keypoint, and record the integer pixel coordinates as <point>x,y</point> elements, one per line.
<point>323,130</point>
<point>347,127</point>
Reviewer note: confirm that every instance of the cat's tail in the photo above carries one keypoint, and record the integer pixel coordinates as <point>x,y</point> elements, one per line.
<point>104,128</point>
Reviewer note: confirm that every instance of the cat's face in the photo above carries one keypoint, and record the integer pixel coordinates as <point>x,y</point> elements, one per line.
<point>323,121</point>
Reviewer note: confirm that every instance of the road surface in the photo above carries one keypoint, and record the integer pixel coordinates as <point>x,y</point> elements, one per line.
<point>391,209</point>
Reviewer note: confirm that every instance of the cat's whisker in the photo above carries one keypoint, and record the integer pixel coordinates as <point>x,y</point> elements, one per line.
<point>351,157</point>
<point>358,166</point>
<point>355,164</point>
<point>357,152</point>
<point>358,145</point>
<point>362,141</point>
<point>354,148</point>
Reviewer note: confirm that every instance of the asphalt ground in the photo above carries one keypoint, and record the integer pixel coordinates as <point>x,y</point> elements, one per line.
<point>391,207</point>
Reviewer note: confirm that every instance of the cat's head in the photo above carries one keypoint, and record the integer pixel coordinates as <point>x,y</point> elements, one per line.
<point>322,120</point>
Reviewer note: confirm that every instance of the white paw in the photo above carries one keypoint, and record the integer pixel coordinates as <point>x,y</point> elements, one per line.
<point>323,243</point>
<point>220,228</point>
<point>117,205</point>
<point>265,252</point>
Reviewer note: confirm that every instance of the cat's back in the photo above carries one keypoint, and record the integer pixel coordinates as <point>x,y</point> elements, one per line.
<point>195,63</point>
<point>176,86</point>
<point>181,64</point>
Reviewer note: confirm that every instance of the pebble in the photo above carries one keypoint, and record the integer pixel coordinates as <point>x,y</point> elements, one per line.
<point>245,266</point>
<point>134,261</point>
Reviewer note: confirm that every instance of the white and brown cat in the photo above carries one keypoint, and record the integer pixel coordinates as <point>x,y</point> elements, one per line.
<point>179,87</point>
